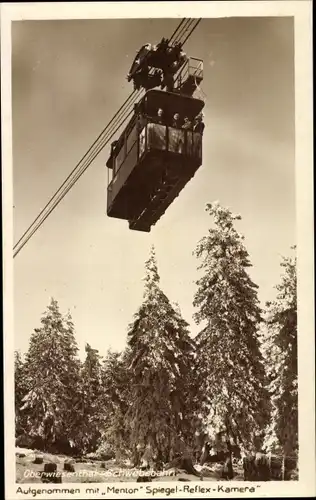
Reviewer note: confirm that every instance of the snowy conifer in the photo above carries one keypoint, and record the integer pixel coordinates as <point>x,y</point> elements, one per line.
<point>117,395</point>
<point>230,365</point>
<point>52,375</point>
<point>161,356</point>
<point>90,409</point>
<point>280,350</point>
<point>20,391</point>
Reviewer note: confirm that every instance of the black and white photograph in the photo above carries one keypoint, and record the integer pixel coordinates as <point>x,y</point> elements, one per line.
<point>156,253</point>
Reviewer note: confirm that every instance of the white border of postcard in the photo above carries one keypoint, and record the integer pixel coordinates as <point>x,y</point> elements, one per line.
<point>302,13</point>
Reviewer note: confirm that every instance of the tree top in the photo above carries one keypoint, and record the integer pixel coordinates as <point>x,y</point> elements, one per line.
<point>151,276</point>
<point>223,217</point>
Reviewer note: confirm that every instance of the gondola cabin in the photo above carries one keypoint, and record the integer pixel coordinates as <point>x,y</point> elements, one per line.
<point>153,160</point>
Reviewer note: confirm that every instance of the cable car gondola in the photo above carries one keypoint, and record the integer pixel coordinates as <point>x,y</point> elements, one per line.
<point>151,161</point>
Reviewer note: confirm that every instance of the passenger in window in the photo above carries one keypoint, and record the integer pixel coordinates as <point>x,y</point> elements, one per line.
<point>199,126</point>
<point>113,146</point>
<point>187,125</point>
<point>141,122</point>
<point>160,117</point>
<point>176,120</point>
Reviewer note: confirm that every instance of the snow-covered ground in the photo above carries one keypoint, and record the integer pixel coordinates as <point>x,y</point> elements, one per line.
<point>97,471</point>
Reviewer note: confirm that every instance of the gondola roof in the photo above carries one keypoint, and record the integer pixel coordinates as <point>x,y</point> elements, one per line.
<point>171,101</point>
<point>188,106</point>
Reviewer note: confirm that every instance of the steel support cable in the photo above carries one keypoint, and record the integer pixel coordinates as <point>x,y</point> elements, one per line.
<point>183,29</point>
<point>84,167</point>
<point>70,181</point>
<point>174,34</point>
<point>66,189</point>
<point>115,117</point>
<point>190,33</point>
<point>183,32</point>
<point>183,42</point>
<point>74,176</point>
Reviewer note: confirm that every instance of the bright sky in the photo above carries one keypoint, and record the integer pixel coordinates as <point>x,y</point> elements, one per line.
<point>69,78</point>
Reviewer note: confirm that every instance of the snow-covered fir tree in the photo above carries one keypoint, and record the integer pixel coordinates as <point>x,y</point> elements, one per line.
<point>230,364</point>
<point>91,403</point>
<point>280,351</point>
<point>117,397</point>
<point>161,357</point>
<point>52,375</point>
<point>20,385</point>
